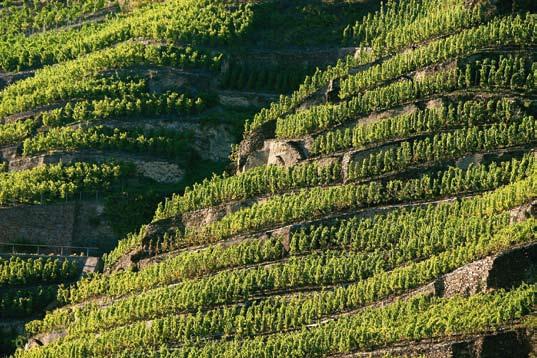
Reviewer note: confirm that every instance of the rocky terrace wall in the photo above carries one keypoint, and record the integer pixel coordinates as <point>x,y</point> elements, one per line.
<point>78,223</point>
<point>515,343</point>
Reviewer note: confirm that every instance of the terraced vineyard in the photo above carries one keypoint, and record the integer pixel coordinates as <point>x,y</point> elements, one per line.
<point>106,107</point>
<point>386,207</point>
<point>27,287</point>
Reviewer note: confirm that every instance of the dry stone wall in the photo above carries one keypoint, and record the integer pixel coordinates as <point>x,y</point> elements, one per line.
<point>79,223</point>
<point>38,224</point>
<point>158,170</point>
<point>514,343</point>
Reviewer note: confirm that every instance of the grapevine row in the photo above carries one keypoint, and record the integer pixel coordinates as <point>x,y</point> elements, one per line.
<point>406,225</point>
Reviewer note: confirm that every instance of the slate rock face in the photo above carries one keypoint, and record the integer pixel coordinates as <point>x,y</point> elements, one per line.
<point>467,280</point>
<point>275,152</point>
<point>513,267</point>
<point>503,271</point>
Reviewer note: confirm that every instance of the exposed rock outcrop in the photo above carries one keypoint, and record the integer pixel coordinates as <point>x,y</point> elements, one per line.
<point>502,271</point>
<point>253,142</point>
<point>276,152</point>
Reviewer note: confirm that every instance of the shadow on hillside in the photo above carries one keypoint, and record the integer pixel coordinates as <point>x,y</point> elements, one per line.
<point>304,23</point>
<point>513,6</point>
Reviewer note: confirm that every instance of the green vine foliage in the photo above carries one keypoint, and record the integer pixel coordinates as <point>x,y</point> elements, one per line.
<point>416,157</point>
<point>50,182</point>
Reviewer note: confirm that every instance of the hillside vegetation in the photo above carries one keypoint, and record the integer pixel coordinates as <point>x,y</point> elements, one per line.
<point>386,207</point>
<point>28,286</point>
<point>106,107</point>
<point>129,101</point>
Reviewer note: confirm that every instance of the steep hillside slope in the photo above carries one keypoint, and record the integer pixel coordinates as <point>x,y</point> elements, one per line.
<point>29,285</point>
<point>385,208</point>
<point>107,106</point>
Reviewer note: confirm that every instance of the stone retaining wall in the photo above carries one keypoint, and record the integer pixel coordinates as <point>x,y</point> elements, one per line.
<point>61,224</point>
